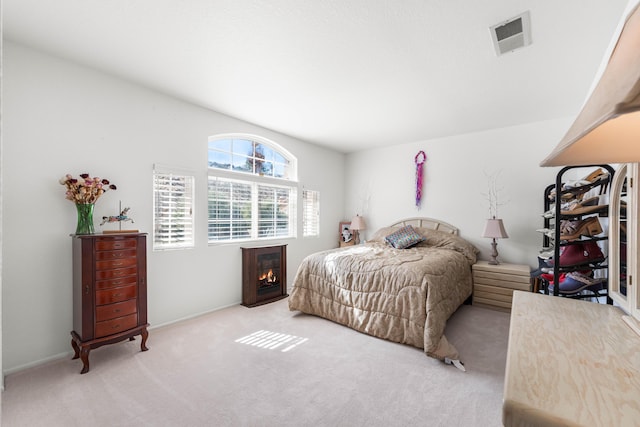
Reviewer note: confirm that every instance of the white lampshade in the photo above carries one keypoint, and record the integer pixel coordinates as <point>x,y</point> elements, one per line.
<point>495,229</point>
<point>607,130</point>
<point>358,223</point>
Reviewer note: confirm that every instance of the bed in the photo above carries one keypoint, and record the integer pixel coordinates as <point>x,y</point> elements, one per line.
<point>402,295</point>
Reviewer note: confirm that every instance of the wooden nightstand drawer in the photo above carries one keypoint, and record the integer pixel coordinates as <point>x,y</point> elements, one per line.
<point>493,285</point>
<point>502,280</point>
<point>502,294</point>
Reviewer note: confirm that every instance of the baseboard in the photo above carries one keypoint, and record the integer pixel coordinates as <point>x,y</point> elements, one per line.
<point>192,316</point>
<point>35,363</point>
<point>70,353</point>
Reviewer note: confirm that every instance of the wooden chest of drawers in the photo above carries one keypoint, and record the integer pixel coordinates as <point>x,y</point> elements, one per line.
<point>109,291</point>
<point>493,285</point>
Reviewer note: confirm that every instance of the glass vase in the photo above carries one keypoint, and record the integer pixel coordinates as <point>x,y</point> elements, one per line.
<point>85,218</point>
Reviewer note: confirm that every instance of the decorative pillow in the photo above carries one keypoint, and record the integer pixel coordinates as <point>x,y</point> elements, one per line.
<point>404,238</point>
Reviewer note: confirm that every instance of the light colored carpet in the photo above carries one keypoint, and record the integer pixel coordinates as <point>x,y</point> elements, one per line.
<point>196,373</point>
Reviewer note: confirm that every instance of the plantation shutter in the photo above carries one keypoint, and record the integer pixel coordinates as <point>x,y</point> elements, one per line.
<point>173,210</point>
<point>248,210</point>
<point>230,208</point>
<point>273,211</point>
<point>310,213</point>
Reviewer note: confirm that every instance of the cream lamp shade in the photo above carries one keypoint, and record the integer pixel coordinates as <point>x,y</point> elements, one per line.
<point>607,129</point>
<point>495,229</point>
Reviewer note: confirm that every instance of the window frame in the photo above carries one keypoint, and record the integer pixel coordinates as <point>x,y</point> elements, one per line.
<point>255,181</point>
<point>292,160</point>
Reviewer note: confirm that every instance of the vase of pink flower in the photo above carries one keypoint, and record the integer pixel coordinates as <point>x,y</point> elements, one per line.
<point>85,191</point>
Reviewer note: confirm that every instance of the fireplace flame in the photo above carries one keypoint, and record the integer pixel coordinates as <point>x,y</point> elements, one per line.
<point>268,277</point>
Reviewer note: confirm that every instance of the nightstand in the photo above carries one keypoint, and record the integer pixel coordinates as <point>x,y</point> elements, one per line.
<point>493,285</point>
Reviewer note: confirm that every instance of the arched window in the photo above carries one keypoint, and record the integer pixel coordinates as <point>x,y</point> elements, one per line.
<point>251,154</point>
<point>252,189</point>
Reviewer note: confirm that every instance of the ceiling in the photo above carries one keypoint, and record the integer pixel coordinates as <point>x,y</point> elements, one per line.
<point>348,74</point>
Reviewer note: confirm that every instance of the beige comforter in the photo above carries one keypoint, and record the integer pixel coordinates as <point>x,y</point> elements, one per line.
<point>402,295</point>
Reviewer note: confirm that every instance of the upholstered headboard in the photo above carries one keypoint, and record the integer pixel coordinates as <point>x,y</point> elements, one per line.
<point>431,223</point>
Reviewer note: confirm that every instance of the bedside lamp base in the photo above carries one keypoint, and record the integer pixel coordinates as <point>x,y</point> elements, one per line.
<point>494,253</point>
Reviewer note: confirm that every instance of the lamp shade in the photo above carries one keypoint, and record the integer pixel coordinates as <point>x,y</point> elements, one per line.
<point>495,229</point>
<point>607,129</point>
<point>358,223</point>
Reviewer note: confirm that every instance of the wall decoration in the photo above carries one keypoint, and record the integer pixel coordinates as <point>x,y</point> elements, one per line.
<point>420,159</point>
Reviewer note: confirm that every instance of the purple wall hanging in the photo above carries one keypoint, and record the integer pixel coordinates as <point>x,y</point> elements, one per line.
<point>420,158</point>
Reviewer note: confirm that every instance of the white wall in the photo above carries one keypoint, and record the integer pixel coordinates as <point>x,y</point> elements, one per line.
<point>381,184</point>
<point>62,118</point>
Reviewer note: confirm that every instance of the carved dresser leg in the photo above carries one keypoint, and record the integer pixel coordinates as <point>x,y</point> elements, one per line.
<point>143,344</point>
<point>84,356</point>
<point>76,349</point>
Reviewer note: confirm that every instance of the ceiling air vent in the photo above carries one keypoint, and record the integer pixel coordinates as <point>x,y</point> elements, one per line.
<point>512,34</point>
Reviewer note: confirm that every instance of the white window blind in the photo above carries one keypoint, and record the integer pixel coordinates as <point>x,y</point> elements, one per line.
<point>173,210</point>
<point>310,213</point>
<point>274,211</point>
<point>230,209</point>
<point>242,210</point>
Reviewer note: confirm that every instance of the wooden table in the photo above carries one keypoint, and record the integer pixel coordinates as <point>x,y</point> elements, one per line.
<point>570,363</point>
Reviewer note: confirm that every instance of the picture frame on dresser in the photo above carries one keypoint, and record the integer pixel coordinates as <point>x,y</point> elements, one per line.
<point>345,234</point>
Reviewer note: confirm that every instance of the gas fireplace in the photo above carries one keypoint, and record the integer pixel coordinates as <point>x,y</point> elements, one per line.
<point>264,274</point>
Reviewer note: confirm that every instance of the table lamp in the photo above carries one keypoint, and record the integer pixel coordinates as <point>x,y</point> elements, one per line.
<point>357,224</point>
<point>608,127</point>
<point>495,230</point>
